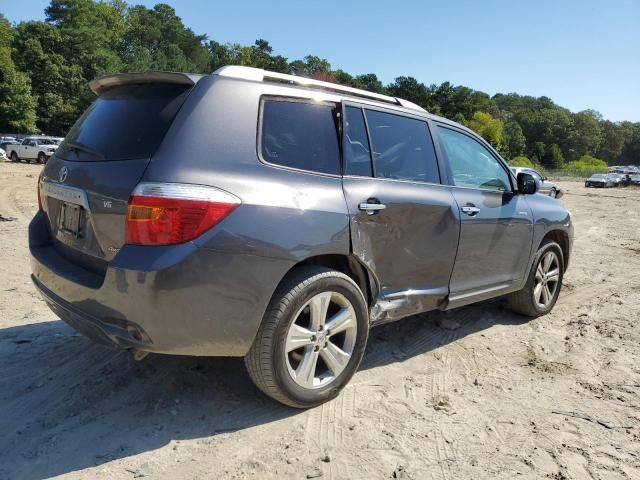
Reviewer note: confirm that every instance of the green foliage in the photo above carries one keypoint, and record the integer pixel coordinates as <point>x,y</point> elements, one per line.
<point>46,66</point>
<point>586,165</point>
<point>488,128</point>
<point>515,143</point>
<point>156,39</point>
<point>554,157</point>
<point>521,162</point>
<point>17,104</point>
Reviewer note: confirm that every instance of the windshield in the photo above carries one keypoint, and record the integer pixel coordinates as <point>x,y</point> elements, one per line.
<point>126,122</point>
<point>598,176</point>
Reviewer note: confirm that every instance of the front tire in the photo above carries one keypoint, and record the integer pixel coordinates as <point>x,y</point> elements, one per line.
<point>42,158</point>
<point>540,293</point>
<point>312,338</point>
<point>14,157</point>
<point>553,193</point>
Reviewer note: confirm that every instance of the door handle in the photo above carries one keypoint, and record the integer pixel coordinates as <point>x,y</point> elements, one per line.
<point>371,208</point>
<point>471,211</point>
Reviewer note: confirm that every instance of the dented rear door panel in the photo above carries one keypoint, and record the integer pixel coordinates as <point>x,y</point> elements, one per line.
<point>410,245</point>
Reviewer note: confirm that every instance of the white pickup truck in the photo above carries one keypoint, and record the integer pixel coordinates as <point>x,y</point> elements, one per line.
<point>32,148</point>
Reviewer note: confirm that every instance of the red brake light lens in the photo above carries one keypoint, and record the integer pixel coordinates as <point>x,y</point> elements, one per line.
<point>169,213</point>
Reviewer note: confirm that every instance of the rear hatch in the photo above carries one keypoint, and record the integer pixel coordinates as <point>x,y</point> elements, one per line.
<point>85,187</point>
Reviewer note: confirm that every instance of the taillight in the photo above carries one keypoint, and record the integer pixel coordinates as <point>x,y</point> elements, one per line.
<point>170,213</point>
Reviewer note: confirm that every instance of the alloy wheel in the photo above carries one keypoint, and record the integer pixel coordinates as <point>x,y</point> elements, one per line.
<point>547,279</point>
<point>321,340</point>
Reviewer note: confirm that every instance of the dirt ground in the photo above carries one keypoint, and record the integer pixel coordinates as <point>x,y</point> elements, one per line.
<point>498,397</point>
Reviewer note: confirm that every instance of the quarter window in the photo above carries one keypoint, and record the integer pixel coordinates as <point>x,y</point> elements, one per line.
<point>300,135</point>
<point>357,157</point>
<point>471,164</point>
<point>402,148</point>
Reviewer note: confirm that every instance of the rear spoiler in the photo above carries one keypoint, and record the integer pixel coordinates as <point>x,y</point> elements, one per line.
<point>107,82</point>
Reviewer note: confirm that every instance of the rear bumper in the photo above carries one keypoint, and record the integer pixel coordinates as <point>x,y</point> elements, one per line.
<point>92,327</point>
<point>178,300</point>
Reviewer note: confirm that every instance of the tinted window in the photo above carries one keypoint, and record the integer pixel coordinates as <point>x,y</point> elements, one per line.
<point>357,157</point>
<point>472,165</point>
<point>300,135</point>
<point>402,148</point>
<point>124,123</point>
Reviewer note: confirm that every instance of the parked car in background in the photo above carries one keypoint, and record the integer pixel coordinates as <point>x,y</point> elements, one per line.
<point>32,148</point>
<point>56,140</point>
<point>7,139</point>
<point>545,186</point>
<point>4,144</point>
<point>620,179</point>
<point>303,214</point>
<point>635,179</point>
<point>600,180</point>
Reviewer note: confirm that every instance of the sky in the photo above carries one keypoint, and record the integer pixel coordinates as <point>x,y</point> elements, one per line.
<point>583,54</point>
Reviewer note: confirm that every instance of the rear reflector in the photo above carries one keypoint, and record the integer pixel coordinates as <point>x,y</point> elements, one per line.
<point>39,194</point>
<point>170,213</point>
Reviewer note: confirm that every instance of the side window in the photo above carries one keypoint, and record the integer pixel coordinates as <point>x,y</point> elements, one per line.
<point>357,158</point>
<point>300,135</point>
<point>472,165</point>
<point>402,148</point>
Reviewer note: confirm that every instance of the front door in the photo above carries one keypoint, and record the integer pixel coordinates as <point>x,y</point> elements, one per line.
<point>26,149</point>
<point>496,223</point>
<point>404,223</point>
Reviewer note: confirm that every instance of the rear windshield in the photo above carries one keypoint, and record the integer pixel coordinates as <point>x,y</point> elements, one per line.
<point>126,122</point>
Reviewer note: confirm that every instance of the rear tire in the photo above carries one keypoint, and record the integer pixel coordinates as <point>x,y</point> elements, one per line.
<point>295,334</point>
<point>540,293</point>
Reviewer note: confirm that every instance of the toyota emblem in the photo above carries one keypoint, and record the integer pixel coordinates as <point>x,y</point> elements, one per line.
<point>62,176</point>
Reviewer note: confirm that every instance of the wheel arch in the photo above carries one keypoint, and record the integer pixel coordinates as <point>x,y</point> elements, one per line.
<point>347,264</point>
<point>561,238</point>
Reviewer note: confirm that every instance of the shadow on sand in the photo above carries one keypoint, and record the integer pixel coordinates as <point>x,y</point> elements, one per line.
<point>67,404</point>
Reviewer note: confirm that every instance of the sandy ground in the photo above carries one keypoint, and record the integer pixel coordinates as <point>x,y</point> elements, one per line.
<point>494,398</point>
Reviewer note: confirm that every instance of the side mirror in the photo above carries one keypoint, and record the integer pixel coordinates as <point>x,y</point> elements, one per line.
<point>527,185</point>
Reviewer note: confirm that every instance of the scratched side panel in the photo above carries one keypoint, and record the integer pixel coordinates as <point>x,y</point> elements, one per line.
<point>410,246</point>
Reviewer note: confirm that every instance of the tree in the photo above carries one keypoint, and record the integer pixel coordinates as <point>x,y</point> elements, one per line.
<point>585,137</point>
<point>515,143</point>
<point>370,82</point>
<point>521,161</point>
<point>488,128</point>
<point>310,65</point>
<point>46,67</point>
<point>613,140</point>
<point>631,151</point>
<point>553,157</point>
<point>156,39</point>
<point>17,104</point>
<point>410,89</point>
<point>90,33</point>
<point>58,84</point>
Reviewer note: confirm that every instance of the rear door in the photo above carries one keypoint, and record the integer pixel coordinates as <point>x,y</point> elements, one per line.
<point>496,228</point>
<point>404,226</point>
<point>86,185</point>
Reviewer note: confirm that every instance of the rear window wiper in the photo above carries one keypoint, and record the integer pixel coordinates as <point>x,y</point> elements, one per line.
<point>83,148</point>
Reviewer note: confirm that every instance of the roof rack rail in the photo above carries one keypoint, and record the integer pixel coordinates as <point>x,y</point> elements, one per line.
<point>260,75</point>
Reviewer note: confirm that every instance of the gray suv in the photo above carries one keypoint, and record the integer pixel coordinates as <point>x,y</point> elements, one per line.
<point>276,218</point>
